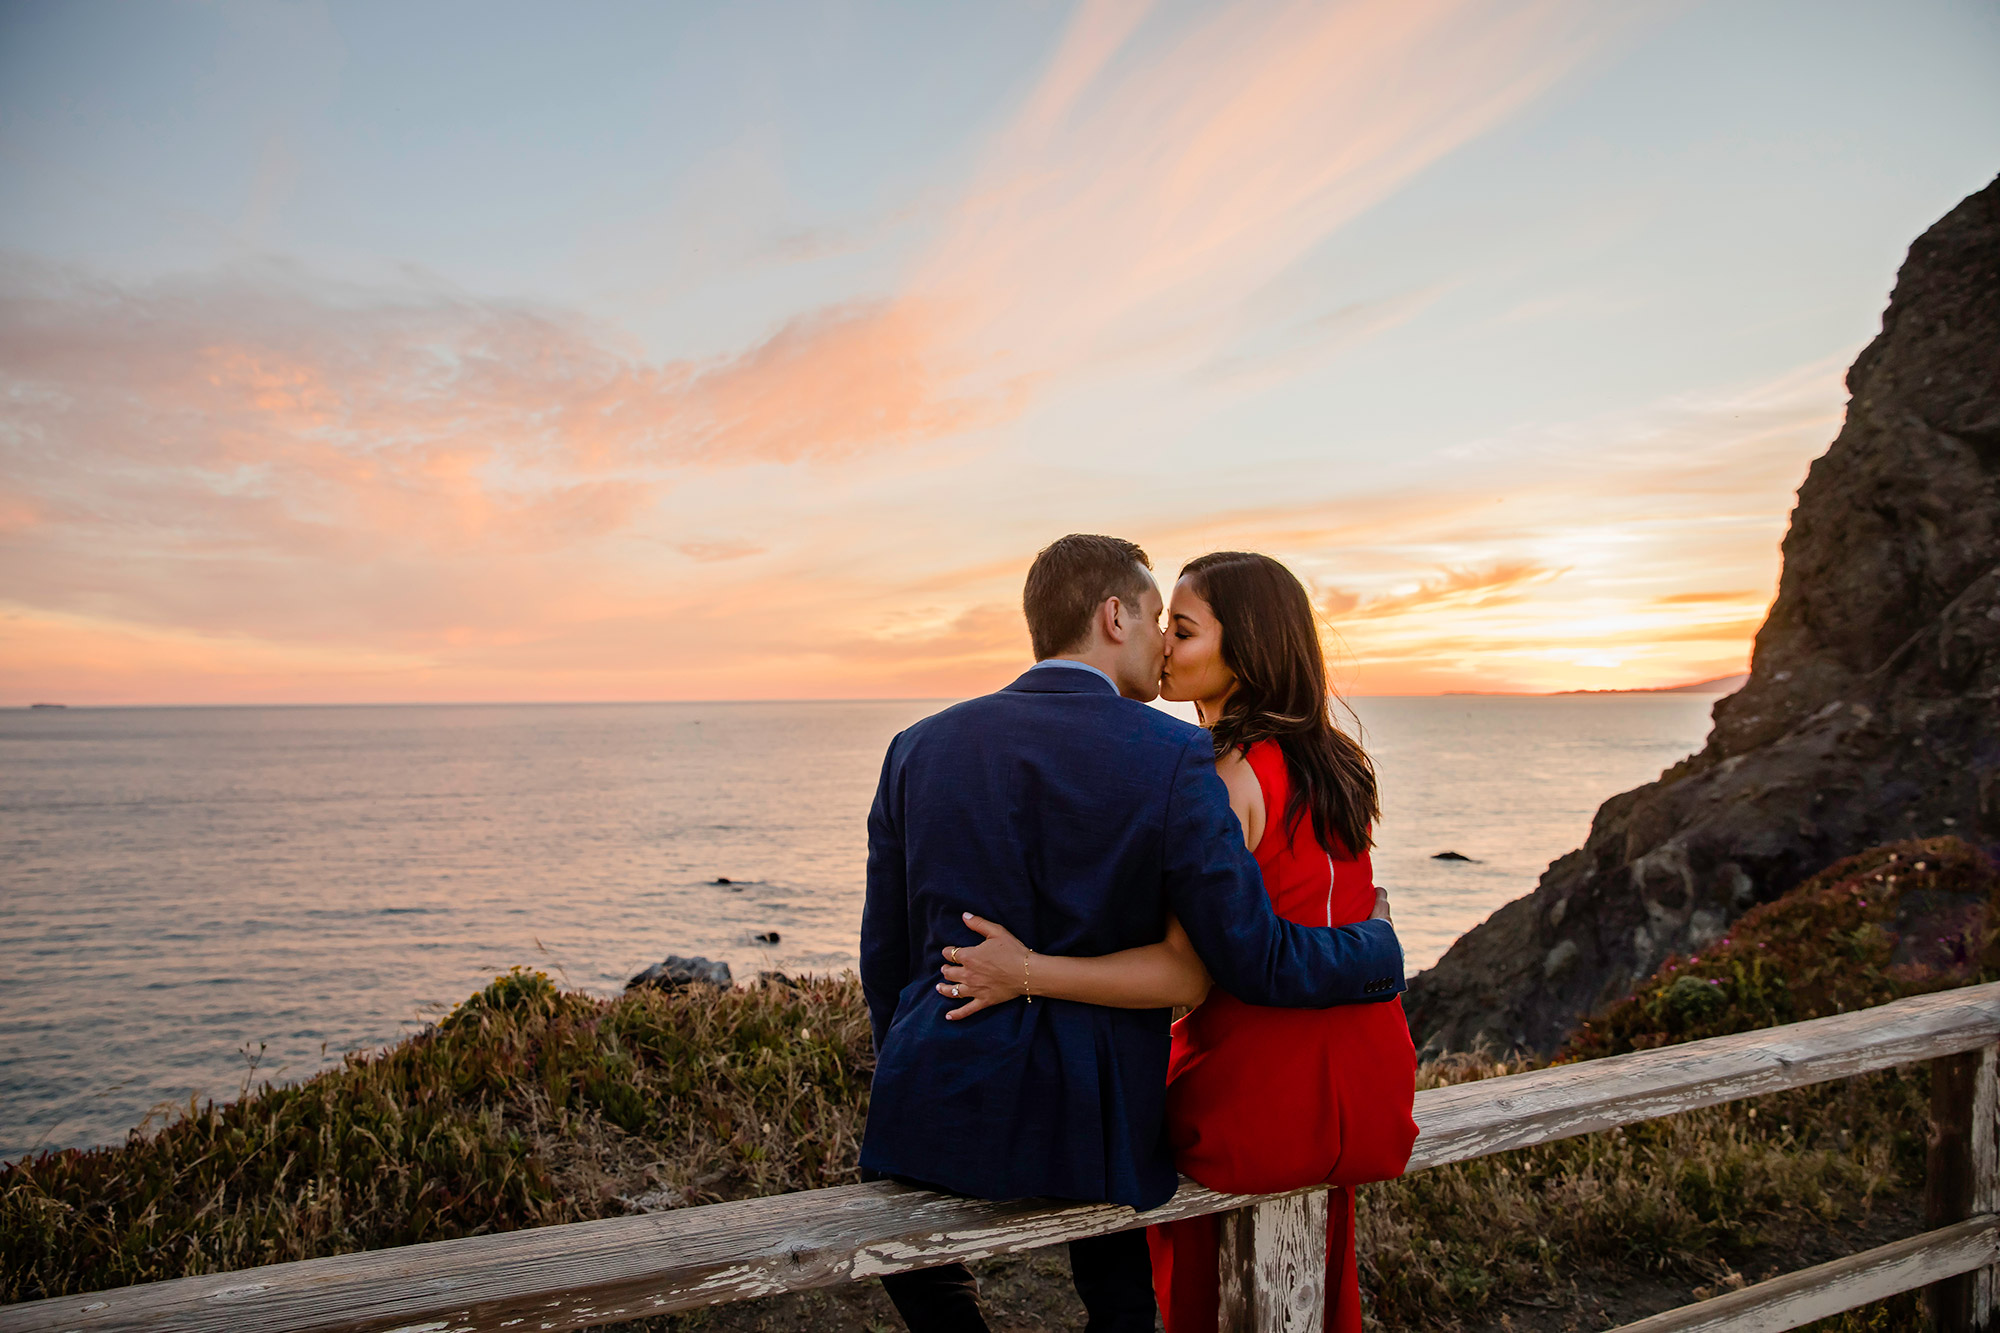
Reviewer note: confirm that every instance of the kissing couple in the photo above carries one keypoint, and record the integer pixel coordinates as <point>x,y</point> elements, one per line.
<point>1077,865</point>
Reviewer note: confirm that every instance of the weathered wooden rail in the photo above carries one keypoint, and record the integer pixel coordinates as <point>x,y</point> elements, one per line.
<point>591,1273</point>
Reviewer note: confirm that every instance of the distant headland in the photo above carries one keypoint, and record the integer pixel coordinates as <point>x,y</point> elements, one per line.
<point>1714,685</point>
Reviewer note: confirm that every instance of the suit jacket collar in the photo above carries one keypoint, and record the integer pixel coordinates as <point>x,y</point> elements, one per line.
<point>1062,680</point>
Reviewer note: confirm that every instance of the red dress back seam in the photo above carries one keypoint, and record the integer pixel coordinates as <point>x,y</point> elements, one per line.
<point>1261,1100</point>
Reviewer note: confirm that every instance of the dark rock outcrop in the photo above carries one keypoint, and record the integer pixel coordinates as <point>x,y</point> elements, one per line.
<point>1872,712</point>
<point>675,972</point>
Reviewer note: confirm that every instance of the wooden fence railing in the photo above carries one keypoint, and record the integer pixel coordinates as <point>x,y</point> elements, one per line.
<point>591,1273</point>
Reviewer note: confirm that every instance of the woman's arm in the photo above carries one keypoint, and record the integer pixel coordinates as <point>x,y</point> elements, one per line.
<point>1153,976</point>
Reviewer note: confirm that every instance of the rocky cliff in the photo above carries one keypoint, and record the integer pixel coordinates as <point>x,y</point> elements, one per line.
<point>1872,712</point>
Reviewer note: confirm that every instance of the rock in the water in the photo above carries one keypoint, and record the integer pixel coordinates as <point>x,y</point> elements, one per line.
<point>766,937</point>
<point>722,879</point>
<point>1452,856</point>
<point>1872,712</point>
<point>675,972</point>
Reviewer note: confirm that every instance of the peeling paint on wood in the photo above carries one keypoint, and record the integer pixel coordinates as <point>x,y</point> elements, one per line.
<point>1272,1259</point>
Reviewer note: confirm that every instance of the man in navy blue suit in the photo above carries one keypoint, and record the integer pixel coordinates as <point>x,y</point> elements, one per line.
<point>1065,808</point>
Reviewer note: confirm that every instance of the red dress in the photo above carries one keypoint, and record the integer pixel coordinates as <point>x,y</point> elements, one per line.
<point>1261,1100</point>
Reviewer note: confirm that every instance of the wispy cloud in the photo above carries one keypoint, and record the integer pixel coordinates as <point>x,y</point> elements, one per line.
<point>184,452</point>
<point>1503,581</point>
<point>263,362</point>
<point>1161,174</point>
<point>257,476</point>
<point>1276,352</point>
<point>715,552</point>
<point>1563,556</point>
<point>1700,598</point>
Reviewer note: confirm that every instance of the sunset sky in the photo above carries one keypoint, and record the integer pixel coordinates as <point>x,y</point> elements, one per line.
<point>374,352</point>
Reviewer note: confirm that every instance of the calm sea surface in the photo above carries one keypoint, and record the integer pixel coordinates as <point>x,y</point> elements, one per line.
<point>181,888</point>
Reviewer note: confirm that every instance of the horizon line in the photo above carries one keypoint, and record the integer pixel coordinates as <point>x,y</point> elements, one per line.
<point>52,706</point>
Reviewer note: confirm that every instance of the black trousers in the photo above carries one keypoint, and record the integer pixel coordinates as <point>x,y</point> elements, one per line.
<point>1113,1276</point>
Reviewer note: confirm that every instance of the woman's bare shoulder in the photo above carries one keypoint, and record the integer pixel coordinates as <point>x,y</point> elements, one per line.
<point>1246,794</point>
<point>1233,768</point>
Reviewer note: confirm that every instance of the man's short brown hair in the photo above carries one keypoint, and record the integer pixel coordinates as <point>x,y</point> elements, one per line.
<point>1068,582</point>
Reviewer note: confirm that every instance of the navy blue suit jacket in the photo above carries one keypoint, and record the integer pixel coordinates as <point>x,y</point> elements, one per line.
<point>1077,819</point>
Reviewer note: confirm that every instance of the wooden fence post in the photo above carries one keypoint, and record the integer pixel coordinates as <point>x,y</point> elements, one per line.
<point>1272,1259</point>
<point>1963,1178</point>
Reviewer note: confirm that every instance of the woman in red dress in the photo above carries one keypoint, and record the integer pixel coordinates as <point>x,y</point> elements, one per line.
<point>1259,1100</point>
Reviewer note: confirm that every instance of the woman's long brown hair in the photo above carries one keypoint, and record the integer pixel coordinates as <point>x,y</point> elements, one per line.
<point>1271,641</point>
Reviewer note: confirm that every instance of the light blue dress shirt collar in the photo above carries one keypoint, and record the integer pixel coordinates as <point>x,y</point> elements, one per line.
<point>1081,666</point>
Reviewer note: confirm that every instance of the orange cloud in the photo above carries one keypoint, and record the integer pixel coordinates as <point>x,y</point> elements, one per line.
<point>709,553</point>
<point>1575,556</point>
<point>254,454</point>
<point>250,485</point>
<point>1504,580</point>
<point>1157,177</point>
<point>191,574</point>
<point>826,386</point>
<point>1693,598</point>
<point>243,377</point>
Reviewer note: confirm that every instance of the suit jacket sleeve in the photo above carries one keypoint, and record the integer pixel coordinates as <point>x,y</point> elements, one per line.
<point>885,911</point>
<point>1218,892</point>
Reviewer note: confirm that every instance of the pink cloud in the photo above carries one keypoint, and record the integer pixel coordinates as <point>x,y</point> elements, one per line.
<point>1464,588</point>
<point>1165,169</point>
<point>251,476</point>
<point>198,452</point>
<point>715,552</point>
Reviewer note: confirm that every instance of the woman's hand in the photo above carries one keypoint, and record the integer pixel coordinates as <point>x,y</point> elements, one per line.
<point>989,973</point>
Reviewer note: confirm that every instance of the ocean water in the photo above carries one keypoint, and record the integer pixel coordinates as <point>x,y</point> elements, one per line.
<point>196,899</point>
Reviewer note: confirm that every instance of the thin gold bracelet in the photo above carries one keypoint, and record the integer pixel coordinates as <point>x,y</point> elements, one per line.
<point>1024,976</point>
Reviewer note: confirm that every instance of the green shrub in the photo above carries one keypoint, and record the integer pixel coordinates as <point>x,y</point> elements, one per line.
<point>525,1106</point>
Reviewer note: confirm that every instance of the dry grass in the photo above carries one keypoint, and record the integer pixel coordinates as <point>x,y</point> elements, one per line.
<point>1690,1198</point>
<point>526,1106</point>
<point>1694,1195</point>
<point>529,1106</point>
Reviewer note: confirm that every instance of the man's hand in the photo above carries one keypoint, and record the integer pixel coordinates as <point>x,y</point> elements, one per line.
<point>1381,912</point>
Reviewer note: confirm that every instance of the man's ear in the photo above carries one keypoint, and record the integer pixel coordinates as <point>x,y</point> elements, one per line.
<point>1111,617</point>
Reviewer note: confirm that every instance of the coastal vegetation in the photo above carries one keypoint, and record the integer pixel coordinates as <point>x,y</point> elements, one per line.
<point>1730,1194</point>
<point>529,1105</point>
<point>526,1106</point>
